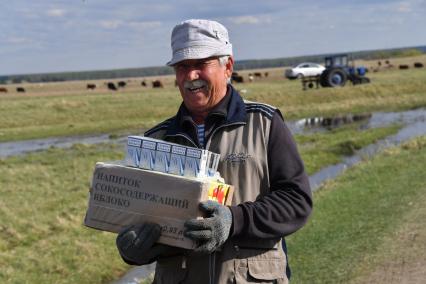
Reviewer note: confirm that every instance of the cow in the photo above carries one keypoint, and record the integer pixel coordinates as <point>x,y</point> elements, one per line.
<point>157,84</point>
<point>20,90</point>
<point>258,74</point>
<point>143,83</point>
<point>3,90</point>
<point>250,77</point>
<point>403,66</point>
<point>121,84</point>
<point>91,86</point>
<point>236,78</point>
<point>111,86</point>
<point>266,74</point>
<point>418,65</point>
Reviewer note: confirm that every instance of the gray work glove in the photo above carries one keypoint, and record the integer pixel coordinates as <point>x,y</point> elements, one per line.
<point>136,244</point>
<point>212,231</point>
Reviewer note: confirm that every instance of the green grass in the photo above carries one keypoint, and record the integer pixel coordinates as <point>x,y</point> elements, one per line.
<point>319,150</point>
<point>41,231</point>
<point>389,91</point>
<point>38,116</point>
<point>42,206</point>
<point>356,212</point>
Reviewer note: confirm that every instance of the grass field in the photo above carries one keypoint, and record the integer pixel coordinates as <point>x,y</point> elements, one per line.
<point>46,197</point>
<point>358,214</point>
<point>57,110</point>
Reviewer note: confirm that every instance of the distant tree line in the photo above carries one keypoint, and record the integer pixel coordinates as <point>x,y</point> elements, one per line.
<point>239,65</point>
<point>366,55</point>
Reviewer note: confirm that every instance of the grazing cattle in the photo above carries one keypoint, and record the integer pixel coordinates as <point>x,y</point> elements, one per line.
<point>111,86</point>
<point>3,90</point>
<point>258,74</point>
<point>418,65</point>
<point>121,84</point>
<point>143,83</point>
<point>250,77</point>
<point>236,78</point>
<point>20,90</point>
<point>91,86</point>
<point>403,66</point>
<point>157,84</point>
<point>266,74</point>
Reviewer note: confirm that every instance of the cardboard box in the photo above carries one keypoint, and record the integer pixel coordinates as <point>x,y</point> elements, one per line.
<point>121,196</point>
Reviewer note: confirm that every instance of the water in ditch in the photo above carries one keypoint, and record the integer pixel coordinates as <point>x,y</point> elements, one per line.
<point>378,119</point>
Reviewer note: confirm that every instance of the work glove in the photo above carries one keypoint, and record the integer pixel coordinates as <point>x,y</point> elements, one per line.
<point>136,244</point>
<point>212,231</point>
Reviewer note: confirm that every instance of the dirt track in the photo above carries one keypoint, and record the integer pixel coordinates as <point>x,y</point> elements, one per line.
<point>402,258</point>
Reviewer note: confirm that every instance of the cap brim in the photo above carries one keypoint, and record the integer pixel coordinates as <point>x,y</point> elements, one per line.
<point>199,52</point>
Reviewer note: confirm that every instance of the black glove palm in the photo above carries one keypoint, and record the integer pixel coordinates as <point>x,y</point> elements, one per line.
<point>211,232</point>
<point>136,244</point>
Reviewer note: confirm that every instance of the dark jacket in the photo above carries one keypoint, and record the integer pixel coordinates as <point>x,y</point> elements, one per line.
<point>272,197</point>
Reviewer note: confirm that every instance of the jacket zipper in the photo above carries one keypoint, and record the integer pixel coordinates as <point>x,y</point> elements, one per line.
<point>186,137</point>
<point>212,262</point>
<point>212,256</point>
<point>222,126</point>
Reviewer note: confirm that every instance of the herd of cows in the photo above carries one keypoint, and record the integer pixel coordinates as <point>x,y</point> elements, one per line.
<point>121,84</point>
<point>236,78</point>
<point>115,86</point>
<point>18,89</point>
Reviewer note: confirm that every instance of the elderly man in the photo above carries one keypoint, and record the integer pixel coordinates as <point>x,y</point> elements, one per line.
<point>241,243</point>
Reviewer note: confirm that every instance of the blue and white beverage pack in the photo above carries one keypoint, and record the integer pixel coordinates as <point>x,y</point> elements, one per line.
<point>158,155</point>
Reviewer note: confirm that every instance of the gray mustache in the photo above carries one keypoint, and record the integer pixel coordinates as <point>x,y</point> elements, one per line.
<point>194,84</point>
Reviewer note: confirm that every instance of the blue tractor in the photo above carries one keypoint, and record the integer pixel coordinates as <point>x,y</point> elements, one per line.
<point>339,69</point>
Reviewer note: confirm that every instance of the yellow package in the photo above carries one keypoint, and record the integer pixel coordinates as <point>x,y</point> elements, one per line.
<point>219,192</point>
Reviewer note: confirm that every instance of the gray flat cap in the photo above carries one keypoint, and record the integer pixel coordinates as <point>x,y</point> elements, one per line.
<point>198,39</point>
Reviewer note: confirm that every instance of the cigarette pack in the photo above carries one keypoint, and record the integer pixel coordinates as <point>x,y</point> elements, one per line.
<point>162,157</point>
<point>133,155</point>
<point>195,162</point>
<point>177,160</point>
<point>147,159</point>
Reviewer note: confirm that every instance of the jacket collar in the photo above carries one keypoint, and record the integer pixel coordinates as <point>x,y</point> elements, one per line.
<point>231,110</point>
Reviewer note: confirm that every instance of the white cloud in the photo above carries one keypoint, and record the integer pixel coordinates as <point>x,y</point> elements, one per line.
<point>112,24</point>
<point>115,24</point>
<point>18,40</point>
<point>56,12</point>
<point>144,25</point>
<point>404,7</point>
<point>253,20</point>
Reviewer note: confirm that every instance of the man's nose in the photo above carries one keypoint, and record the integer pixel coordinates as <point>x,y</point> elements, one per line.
<point>193,74</point>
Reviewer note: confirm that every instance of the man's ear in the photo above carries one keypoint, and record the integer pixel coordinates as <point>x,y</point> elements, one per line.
<point>229,67</point>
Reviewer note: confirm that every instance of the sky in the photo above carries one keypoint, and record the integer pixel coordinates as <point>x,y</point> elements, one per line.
<point>39,36</point>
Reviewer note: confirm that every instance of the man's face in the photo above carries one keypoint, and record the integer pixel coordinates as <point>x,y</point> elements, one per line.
<point>202,83</point>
